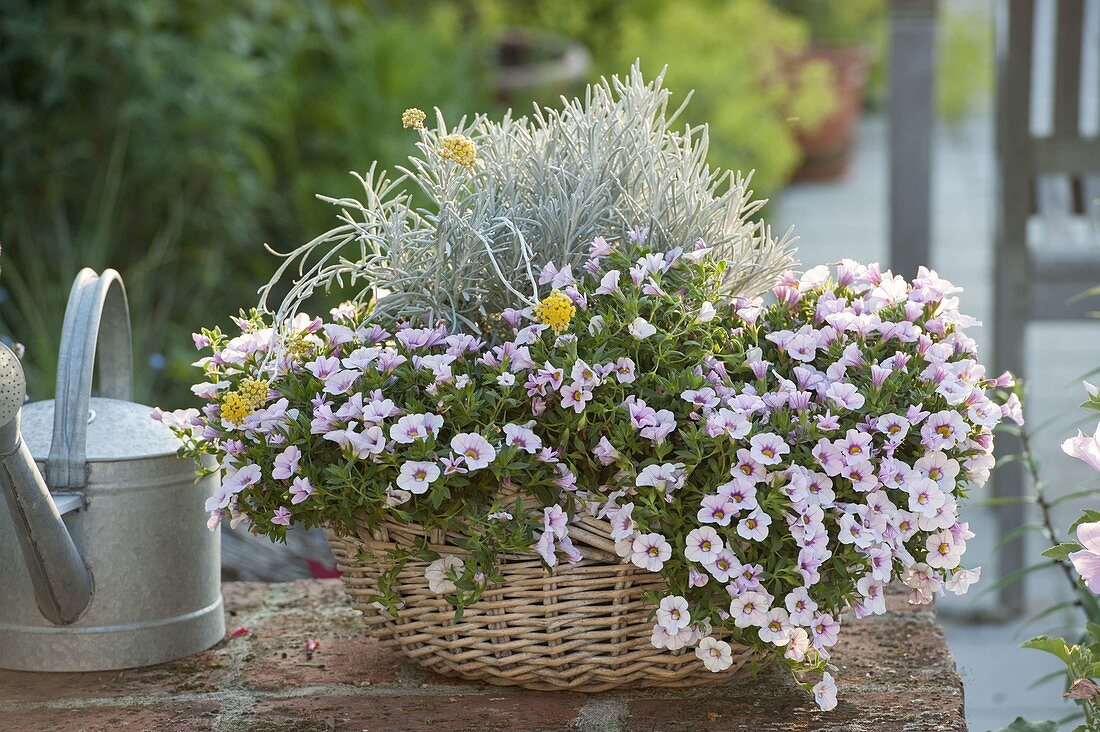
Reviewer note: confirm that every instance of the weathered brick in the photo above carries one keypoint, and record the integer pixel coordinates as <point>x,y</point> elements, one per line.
<point>164,717</point>
<point>496,711</point>
<point>195,673</point>
<point>895,673</point>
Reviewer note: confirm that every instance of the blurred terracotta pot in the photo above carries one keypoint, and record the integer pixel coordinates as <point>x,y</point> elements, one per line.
<point>827,148</point>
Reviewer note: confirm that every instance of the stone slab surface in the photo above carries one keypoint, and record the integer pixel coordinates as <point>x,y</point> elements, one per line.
<point>895,673</point>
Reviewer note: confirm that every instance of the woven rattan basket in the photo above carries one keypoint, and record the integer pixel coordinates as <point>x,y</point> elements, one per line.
<point>586,627</point>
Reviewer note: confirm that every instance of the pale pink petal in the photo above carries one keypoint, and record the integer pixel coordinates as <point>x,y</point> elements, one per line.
<point>1089,535</point>
<point>1087,565</point>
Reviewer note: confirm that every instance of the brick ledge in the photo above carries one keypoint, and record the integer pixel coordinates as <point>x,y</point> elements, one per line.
<point>896,673</point>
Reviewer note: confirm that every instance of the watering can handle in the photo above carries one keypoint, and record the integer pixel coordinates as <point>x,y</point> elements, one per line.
<point>97,320</point>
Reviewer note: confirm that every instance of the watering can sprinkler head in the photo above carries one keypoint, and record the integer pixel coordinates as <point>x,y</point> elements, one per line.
<point>62,583</point>
<point>13,392</point>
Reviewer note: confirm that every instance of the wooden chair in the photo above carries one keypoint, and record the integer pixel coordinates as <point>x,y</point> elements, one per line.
<point>1046,250</point>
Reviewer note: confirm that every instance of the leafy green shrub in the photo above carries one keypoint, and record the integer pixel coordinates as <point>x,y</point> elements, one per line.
<point>734,53</point>
<point>847,23</point>
<point>169,140</point>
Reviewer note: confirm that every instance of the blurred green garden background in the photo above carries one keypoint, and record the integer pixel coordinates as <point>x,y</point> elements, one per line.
<point>172,140</point>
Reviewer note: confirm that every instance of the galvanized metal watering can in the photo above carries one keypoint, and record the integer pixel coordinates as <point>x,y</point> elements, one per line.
<point>106,561</point>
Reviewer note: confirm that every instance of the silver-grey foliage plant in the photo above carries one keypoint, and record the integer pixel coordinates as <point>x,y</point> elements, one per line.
<point>542,188</point>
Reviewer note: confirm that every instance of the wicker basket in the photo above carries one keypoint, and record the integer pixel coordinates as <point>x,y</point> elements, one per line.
<point>586,627</point>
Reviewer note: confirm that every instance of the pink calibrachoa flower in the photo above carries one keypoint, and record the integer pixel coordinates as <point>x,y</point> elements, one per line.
<point>768,449</point>
<point>650,551</point>
<point>575,395</point>
<point>750,608</point>
<point>943,430</point>
<point>417,476</point>
<point>609,283</point>
<point>961,581</point>
<point>641,328</point>
<point>776,628</point>
<point>605,452</point>
<point>723,566</point>
<point>439,572</point>
<point>234,482</point>
<point>300,489</point>
<point>286,463</point>
<point>625,370</point>
<point>281,516</point>
<point>703,545</point>
<point>798,646</point>
<point>413,427</point>
<point>716,655</point>
<point>845,396</point>
<point>728,422</point>
<point>800,606</point>
<point>748,470</point>
<point>825,631</point>
<point>717,509</point>
<point>666,477</point>
<point>475,450</point>
<point>673,613</point>
<point>1087,560</point>
<point>944,552</point>
<point>825,692</point>
<point>522,437</point>
<point>754,527</point>
<point>673,640</point>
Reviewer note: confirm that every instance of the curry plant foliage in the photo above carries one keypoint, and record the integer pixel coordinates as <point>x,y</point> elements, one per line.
<point>541,188</point>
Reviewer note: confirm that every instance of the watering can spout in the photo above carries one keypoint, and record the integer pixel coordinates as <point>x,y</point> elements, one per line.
<point>62,583</point>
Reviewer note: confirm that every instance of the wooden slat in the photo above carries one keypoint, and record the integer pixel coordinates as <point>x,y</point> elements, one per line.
<point>1014,146</point>
<point>1016,19</point>
<point>1067,68</point>
<point>912,70</point>
<point>1080,156</point>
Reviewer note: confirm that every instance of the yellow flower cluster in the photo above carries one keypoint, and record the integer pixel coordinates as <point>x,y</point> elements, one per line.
<point>236,405</point>
<point>298,348</point>
<point>254,391</point>
<point>413,117</point>
<point>556,310</point>
<point>460,149</point>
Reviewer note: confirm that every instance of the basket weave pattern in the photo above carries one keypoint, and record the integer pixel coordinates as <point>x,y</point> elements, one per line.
<point>586,627</point>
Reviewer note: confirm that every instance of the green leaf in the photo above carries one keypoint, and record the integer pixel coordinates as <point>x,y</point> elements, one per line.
<point>1054,646</point>
<point>1022,725</point>
<point>1060,552</point>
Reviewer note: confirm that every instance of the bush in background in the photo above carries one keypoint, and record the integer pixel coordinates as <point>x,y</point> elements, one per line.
<point>170,140</point>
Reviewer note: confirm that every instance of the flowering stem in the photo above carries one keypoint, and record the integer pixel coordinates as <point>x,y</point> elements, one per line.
<point>1045,509</point>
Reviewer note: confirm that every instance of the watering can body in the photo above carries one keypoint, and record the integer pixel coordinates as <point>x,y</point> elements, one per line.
<point>131,508</point>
